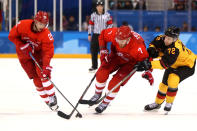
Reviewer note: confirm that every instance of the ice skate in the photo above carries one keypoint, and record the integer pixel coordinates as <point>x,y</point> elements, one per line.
<point>101,107</point>
<point>167,108</point>
<point>92,70</point>
<point>53,103</point>
<point>94,98</point>
<point>152,106</point>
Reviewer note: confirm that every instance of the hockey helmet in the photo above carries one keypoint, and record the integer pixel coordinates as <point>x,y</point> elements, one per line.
<point>172,32</point>
<point>42,17</point>
<point>124,32</point>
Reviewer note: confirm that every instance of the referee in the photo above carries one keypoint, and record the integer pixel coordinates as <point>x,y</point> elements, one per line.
<point>99,20</point>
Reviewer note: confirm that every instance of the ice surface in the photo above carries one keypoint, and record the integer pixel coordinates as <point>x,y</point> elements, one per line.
<point>21,109</point>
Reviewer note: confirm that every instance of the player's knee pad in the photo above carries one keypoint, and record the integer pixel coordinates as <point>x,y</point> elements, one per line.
<point>37,82</point>
<point>173,80</point>
<point>110,97</point>
<point>102,76</point>
<point>114,81</point>
<point>163,88</point>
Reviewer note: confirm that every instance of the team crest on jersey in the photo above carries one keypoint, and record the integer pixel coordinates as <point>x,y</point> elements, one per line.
<point>32,42</point>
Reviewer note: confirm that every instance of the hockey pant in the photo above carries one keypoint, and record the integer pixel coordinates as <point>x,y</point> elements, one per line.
<point>44,87</point>
<point>169,86</point>
<point>103,74</point>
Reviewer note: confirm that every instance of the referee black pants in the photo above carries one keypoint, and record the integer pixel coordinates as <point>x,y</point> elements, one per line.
<point>94,48</point>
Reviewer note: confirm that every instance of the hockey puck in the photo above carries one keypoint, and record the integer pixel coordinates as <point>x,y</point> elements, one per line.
<point>63,115</point>
<point>78,115</point>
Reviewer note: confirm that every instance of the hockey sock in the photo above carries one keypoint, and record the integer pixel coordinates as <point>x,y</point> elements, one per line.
<point>109,98</point>
<point>161,94</point>
<point>99,87</point>
<point>43,94</point>
<point>48,87</point>
<point>171,93</point>
<point>173,81</point>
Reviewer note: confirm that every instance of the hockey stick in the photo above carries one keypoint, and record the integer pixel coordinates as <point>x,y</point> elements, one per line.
<point>60,113</point>
<point>82,96</point>
<point>79,102</point>
<point>116,86</point>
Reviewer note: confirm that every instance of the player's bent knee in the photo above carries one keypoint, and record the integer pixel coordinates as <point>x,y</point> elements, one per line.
<point>173,80</point>
<point>163,88</point>
<point>37,82</point>
<point>101,77</point>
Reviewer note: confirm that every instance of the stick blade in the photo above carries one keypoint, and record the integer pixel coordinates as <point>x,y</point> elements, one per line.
<point>90,103</point>
<point>84,101</point>
<point>63,115</point>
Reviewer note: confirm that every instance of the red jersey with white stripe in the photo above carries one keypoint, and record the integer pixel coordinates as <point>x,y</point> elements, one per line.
<point>135,50</point>
<point>42,42</point>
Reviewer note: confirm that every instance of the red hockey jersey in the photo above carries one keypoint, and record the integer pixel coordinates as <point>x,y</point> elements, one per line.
<point>135,50</point>
<point>42,42</point>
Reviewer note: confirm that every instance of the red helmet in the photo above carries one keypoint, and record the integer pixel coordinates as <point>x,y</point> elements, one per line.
<point>124,32</point>
<point>42,17</point>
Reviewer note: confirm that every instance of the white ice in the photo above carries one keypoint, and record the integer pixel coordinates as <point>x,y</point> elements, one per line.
<point>21,109</point>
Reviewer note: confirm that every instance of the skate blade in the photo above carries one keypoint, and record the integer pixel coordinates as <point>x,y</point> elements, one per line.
<point>92,71</point>
<point>166,112</point>
<point>154,110</point>
<point>97,113</point>
<point>54,108</point>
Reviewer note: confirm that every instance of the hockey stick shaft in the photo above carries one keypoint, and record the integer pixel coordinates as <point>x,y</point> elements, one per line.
<point>117,85</point>
<point>52,82</point>
<point>88,87</point>
<point>83,95</point>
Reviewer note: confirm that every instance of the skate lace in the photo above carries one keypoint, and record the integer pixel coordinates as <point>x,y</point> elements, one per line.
<point>168,105</point>
<point>95,97</point>
<point>102,106</point>
<point>153,105</point>
<point>52,99</point>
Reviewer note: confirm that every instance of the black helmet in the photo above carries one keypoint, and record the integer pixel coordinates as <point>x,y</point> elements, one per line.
<point>99,3</point>
<point>172,32</point>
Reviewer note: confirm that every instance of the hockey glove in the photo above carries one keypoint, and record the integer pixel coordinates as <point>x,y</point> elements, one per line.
<point>143,65</point>
<point>148,75</point>
<point>46,72</point>
<point>26,48</point>
<point>104,56</point>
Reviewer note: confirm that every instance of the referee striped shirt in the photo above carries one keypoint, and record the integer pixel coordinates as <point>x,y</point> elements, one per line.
<point>99,22</point>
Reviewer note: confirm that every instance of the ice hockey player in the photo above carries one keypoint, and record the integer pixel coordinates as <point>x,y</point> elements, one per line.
<point>178,62</point>
<point>127,49</point>
<point>33,36</point>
